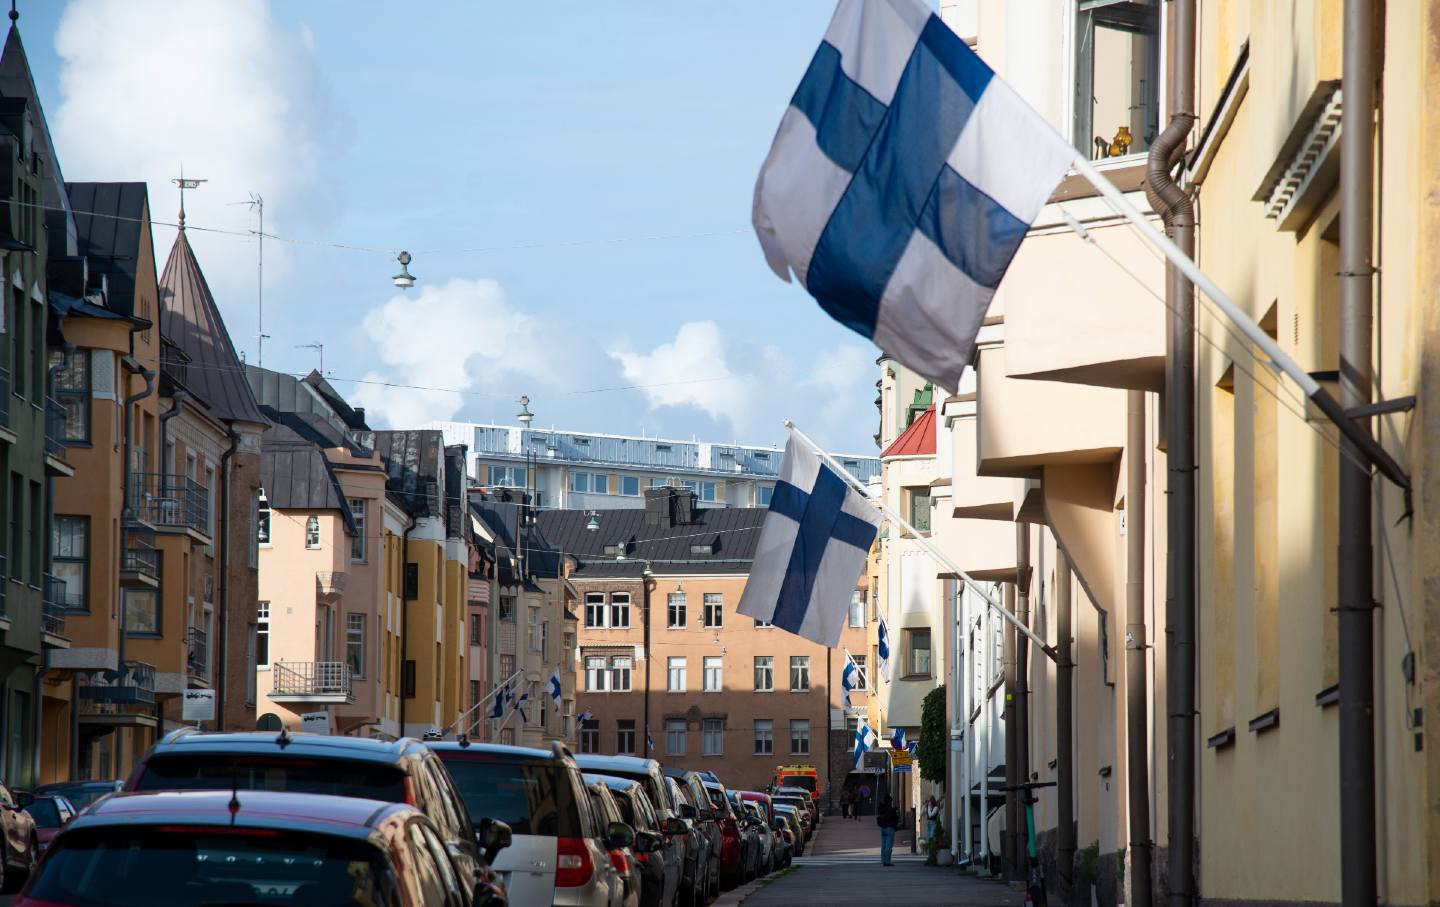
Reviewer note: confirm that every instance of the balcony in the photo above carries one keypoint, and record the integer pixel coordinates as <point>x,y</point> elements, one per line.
<point>311,682</point>
<point>55,439</point>
<point>5,430</point>
<point>139,563</point>
<point>136,685</point>
<point>174,364</point>
<point>330,584</point>
<point>198,657</point>
<point>173,503</point>
<point>53,605</point>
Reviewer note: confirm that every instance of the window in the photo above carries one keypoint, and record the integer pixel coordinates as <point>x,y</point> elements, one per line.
<point>714,609</point>
<point>506,610</point>
<point>475,694</point>
<point>630,486</point>
<point>312,532</point>
<point>589,483</point>
<point>712,737</point>
<point>533,628</point>
<point>508,476</point>
<point>357,542</point>
<point>852,728</point>
<point>545,639</point>
<point>1105,648</point>
<point>594,609</point>
<point>675,674</point>
<point>72,392</point>
<point>675,610</point>
<point>620,667</point>
<point>507,666</point>
<point>17,341</point>
<point>799,673</point>
<point>1117,67</point>
<point>620,609</point>
<point>595,673</point>
<point>705,491</point>
<point>764,673</point>
<point>917,653</point>
<point>857,608</point>
<point>762,624</point>
<point>355,644</point>
<point>764,737</point>
<point>714,681</point>
<point>625,737</point>
<point>589,735</point>
<point>861,676</point>
<point>262,529</point>
<point>763,495</point>
<point>142,612</point>
<point>262,635</point>
<point>253,549</point>
<point>477,629</point>
<point>675,736</point>
<point>919,508</point>
<point>17,525</point>
<point>799,737</point>
<point>70,558</point>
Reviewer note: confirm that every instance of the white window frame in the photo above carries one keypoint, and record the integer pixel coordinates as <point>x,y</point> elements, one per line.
<point>675,603</point>
<point>677,733</point>
<point>799,724</point>
<point>619,610</point>
<point>312,532</point>
<point>800,667</point>
<point>357,511</point>
<point>713,604</point>
<point>857,608</point>
<point>769,669</point>
<point>764,736</point>
<point>713,667</point>
<point>355,636</point>
<point>621,670</point>
<point>712,737</point>
<point>596,601</point>
<point>629,480</point>
<point>532,628</point>
<point>596,674</point>
<point>262,629</point>
<point>264,519</point>
<point>675,671</point>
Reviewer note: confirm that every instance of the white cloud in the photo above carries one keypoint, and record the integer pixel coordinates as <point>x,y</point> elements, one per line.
<point>217,86</point>
<point>693,370</point>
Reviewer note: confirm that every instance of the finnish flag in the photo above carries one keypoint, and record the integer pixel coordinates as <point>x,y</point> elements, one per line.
<point>502,699</point>
<point>519,707</point>
<point>812,548</point>
<point>865,740</point>
<point>901,181</point>
<point>583,717</point>
<point>556,690</point>
<point>848,681</point>
<point>897,739</point>
<point>882,649</point>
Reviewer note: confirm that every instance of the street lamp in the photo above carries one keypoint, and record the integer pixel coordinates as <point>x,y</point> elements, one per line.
<point>594,521</point>
<point>646,576</point>
<point>525,416</point>
<point>404,280</point>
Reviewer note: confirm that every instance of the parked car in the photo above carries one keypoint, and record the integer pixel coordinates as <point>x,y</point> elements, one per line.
<point>80,793</point>
<point>399,771</point>
<point>661,878</point>
<point>761,803</point>
<point>792,816</point>
<point>706,871</point>
<point>249,847</point>
<point>51,813</point>
<point>19,839</point>
<point>693,788</point>
<point>685,845</point>
<point>800,803</point>
<point>811,804</point>
<point>736,853</point>
<point>753,817</point>
<point>559,846</point>
<point>622,855</point>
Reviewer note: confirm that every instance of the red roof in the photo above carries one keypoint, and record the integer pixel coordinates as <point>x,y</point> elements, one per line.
<point>916,441</point>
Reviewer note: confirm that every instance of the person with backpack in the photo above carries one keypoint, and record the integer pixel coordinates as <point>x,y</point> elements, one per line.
<point>888,820</point>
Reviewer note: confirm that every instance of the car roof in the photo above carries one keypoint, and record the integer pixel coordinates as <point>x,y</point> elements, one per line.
<point>610,781</point>
<point>442,747</point>
<point>320,746</point>
<point>753,795</point>
<point>71,785</point>
<point>635,764</point>
<point>713,785</point>
<point>345,816</point>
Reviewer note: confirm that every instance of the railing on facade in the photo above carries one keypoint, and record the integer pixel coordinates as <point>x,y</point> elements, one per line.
<point>330,582</point>
<point>135,685</point>
<point>311,678</point>
<point>53,611</point>
<point>166,500</point>
<point>199,653</point>
<point>174,363</point>
<point>4,575</point>
<point>141,557</point>
<point>54,428</point>
<point>4,396</point>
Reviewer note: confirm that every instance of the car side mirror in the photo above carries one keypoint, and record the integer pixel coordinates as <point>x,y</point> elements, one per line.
<point>673,827</point>
<point>648,842</point>
<point>493,836</point>
<point>688,812</point>
<point>710,815</point>
<point>618,835</point>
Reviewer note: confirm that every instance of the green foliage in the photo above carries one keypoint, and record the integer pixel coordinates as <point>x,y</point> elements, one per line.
<point>1089,860</point>
<point>936,843</point>
<point>1120,868</point>
<point>934,736</point>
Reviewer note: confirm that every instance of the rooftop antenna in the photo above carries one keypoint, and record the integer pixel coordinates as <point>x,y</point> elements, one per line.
<point>318,347</point>
<point>257,204</point>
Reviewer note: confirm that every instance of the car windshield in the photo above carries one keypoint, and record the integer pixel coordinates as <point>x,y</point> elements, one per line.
<point>221,771</point>
<point>647,781</point>
<point>173,865</point>
<point>717,800</point>
<point>534,798</point>
<point>82,795</point>
<point>45,813</point>
<point>805,781</point>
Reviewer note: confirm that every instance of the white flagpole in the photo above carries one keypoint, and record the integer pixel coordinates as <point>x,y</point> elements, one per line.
<point>864,679</point>
<point>925,543</point>
<point>476,707</point>
<point>1278,359</point>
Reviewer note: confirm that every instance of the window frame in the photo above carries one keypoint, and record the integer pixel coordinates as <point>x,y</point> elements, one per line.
<point>615,668</point>
<point>674,664</point>
<point>589,735</point>
<point>769,669</point>
<point>354,640</point>
<point>674,727</point>
<point>800,668</point>
<point>619,610</point>
<point>629,482</point>
<point>127,594</point>
<point>857,601</point>
<point>717,663</point>
<point>910,650</point>
<point>263,514</point>
<point>717,601</point>
<point>598,601</point>
<point>83,394</point>
<point>800,724</point>
<point>82,560</point>
<point>712,729</point>
<point>312,533</point>
<point>262,634</point>
<point>675,605</point>
<point>768,740</point>
<point>1082,49</point>
<point>597,671</point>
<point>357,513</point>
<point>625,731</point>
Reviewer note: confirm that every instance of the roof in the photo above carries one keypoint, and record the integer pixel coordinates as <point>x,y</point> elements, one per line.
<point>295,472</point>
<point>191,321</point>
<point>414,467</point>
<point>716,540</point>
<point>916,441</point>
<point>610,781</point>
<point>109,222</point>
<point>17,81</point>
<point>596,763</point>
<point>442,747</point>
<point>288,394</point>
<point>348,816</point>
<point>299,744</point>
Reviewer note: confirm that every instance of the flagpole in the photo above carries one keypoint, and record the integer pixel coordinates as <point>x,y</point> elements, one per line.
<point>1312,389</point>
<point>476,706</point>
<point>925,543</point>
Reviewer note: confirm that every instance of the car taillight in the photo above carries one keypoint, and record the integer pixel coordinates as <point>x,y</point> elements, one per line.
<point>643,857</point>
<point>573,867</point>
<point>620,862</point>
<point>409,787</point>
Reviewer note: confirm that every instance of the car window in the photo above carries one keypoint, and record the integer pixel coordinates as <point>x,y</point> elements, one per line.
<point>697,793</point>
<point>427,872</point>
<point>218,771</point>
<point>442,862</point>
<point>533,798</point>
<point>598,803</point>
<point>438,798</point>
<point>449,796</point>
<point>67,811</point>
<point>643,810</point>
<point>46,814</point>
<point>589,816</point>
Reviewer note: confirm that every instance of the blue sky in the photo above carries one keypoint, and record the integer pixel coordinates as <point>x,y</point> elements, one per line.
<point>601,156</point>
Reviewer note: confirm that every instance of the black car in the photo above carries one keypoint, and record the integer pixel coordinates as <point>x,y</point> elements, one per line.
<point>399,771</point>
<point>685,844</point>
<point>702,812</point>
<point>659,880</point>
<point>81,793</point>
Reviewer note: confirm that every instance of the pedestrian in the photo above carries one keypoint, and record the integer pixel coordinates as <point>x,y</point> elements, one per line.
<point>888,820</point>
<point>846,796</point>
<point>932,817</point>
<point>860,801</point>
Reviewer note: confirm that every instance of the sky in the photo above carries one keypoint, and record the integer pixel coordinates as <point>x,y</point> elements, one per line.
<point>573,181</point>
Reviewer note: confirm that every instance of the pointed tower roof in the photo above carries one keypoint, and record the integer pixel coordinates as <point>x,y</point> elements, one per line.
<point>191,321</point>
<point>17,81</point>
<point>916,441</point>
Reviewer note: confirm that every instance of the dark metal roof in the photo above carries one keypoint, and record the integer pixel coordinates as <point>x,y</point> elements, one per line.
<point>414,467</point>
<point>109,220</point>
<point>16,81</point>
<point>295,472</point>
<point>730,535</point>
<point>190,320</point>
<point>288,394</point>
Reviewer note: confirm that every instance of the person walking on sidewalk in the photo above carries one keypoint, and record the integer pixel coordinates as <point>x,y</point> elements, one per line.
<point>888,820</point>
<point>846,796</point>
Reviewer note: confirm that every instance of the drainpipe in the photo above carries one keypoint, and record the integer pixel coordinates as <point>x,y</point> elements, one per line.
<point>1178,212</point>
<point>40,673</point>
<point>405,619</point>
<point>649,656</point>
<point>1358,880</point>
<point>74,728</point>
<point>127,512</point>
<point>1009,856</point>
<point>176,400</point>
<point>1064,729</point>
<point>987,660</point>
<point>1022,697</point>
<point>1137,724</point>
<point>222,649</point>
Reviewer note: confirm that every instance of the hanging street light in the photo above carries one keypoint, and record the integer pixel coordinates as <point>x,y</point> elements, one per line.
<point>404,280</point>
<point>525,416</point>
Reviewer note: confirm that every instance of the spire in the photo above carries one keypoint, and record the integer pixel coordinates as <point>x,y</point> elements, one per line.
<point>183,183</point>
<point>14,13</point>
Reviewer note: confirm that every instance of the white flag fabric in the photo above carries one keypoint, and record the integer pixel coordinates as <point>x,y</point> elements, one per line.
<point>882,649</point>
<point>812,549</point>
<point>901,181</point>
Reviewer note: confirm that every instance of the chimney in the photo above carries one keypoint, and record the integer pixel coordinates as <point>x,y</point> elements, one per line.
<point>659,506</point>
<point>684,509</point>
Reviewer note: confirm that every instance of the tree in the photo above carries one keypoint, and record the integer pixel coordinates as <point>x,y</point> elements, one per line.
<point>934,736</point>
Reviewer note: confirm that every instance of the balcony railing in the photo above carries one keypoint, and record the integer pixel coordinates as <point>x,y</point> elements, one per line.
<point>321,681</point>
<point>136,685</point>
<point>330,582</point>
<point>4,396</point>
<point>170,501</point>
<point>53,616</point>
<point>54,428</point>
<point>141,558</point>
<point>4,575</point>
<point>199,655</point>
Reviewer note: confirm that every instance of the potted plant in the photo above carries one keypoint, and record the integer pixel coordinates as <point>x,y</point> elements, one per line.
<point>937,848</point>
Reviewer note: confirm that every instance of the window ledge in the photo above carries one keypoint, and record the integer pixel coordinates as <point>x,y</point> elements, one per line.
<point>1222,740</point>
<point>1328,696</point>
<point>1265,721</point>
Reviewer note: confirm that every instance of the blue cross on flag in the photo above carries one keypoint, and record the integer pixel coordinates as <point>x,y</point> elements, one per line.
<point>812,548</point>
<point>583,717</point>
<point>556,690</point>
<point>865,740</point>
<point>519,705</point>
<point>502,699</point>
<point>897,740</point>
<point>847,680</point>
<point>901,181</point>
<point>882,649</point>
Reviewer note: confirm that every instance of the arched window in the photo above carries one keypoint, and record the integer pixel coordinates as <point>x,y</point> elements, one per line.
<point>312,532</point>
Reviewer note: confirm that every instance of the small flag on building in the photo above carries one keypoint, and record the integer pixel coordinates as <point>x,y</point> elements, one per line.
<point>901,181</point>
<point>649,741</point>
<point>520,707</point>
<point>812,548</point>
<point>882,649</point>
<point>847,680</point>
<point>502,700</point>
<point>864,742</point>
<point>556,690</point>
<point>583,718</point>
<point>897,740</point>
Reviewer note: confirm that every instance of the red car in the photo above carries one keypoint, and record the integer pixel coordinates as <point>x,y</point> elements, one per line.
<point>246,847</point>
<point>51,813</point>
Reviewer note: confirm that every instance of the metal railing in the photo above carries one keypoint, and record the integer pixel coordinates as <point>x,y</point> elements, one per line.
<point>4,396</point>
<point>141,558</point>
<point>54,428</point>
<point>199,652</point>
<point>52,613</point>
<point>330,582</point>
<point>311,678</point>
<point>4,575</point>
<point>166,500</point>
<point>137,684</point>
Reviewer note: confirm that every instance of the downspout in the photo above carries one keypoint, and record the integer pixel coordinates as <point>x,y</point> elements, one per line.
<point>1022,698</point>
<point>405,619</point>
<point>221,678</point>
<point>176,400</point>
<point>649,657</point>
<point>1178,211</point>
<point>127,512</point>
<point>1009,856</point>
<point>829,749</point>
<point>1064,729</point>
<point>1137,724</point>
<point>1358,876</point>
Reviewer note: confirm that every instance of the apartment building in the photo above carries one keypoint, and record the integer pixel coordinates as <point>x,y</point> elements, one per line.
<point>585,470</point>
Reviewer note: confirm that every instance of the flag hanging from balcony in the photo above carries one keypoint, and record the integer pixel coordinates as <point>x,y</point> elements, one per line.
<point>502,699</point>
<point>865,740</point>
<point>901,181</point>
<point>813,545</point>
<point>848,680</point>
<point>556,690</point>
<point>882,649</point>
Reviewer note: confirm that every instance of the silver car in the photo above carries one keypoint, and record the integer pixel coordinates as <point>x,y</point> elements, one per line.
<point>560,847</point>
